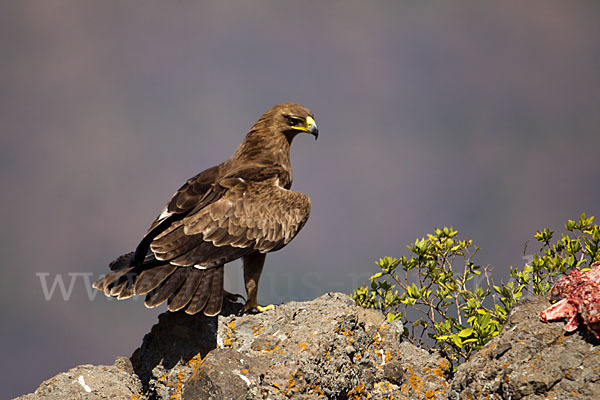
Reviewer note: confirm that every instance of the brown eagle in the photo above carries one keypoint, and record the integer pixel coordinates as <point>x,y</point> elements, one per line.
<point>242,208</point>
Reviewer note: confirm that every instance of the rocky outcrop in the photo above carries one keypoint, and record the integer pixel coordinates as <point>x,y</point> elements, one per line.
<point>330,349</point>
<point>327,348</point>
<point>92,382</point>
<point>532,360</point>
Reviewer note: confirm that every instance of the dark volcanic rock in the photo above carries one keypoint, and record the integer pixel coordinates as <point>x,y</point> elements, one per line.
<point>225,374</point>
<point>532,360</point>
<point>174,341</point>
<point>175,345</point>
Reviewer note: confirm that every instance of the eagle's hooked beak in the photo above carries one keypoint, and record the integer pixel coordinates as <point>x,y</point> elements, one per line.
<point>311,127</point>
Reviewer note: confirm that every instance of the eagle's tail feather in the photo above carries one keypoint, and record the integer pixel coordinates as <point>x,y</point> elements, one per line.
<point>128,290</point>
<point>184,287</point>
<point>115,289</point>
<point>199,299</point>
<point>182,297</point>
<point>167,288</point>
<point>107,281</point>
<point>122,262</point>
<point>149,279</point>
<point>215,301</point>
<point>117,283</point>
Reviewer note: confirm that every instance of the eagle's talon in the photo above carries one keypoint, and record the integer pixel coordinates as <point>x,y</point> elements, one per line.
<point>255,309</point>
<point>265,308</point>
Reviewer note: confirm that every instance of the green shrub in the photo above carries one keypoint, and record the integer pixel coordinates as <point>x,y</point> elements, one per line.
<point>581,247</point>
<point>433,284</point>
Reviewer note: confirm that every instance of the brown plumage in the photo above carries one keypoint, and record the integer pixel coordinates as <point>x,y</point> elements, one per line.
<point>242,208</point>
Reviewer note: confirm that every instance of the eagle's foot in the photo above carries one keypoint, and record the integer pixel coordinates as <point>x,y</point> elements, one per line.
<point>250,308</point>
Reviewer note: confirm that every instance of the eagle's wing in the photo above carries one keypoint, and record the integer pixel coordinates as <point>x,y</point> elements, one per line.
<point>196,193</point>
<point>247,216</point>
<point>190,195</point>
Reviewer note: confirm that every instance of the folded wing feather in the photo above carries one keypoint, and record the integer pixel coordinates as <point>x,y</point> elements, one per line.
<point>249,216</point>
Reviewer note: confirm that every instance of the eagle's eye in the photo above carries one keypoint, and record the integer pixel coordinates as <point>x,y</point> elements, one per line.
<point>294,121</point>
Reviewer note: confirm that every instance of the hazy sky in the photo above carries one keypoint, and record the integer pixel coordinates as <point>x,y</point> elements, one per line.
<point>482,116</point>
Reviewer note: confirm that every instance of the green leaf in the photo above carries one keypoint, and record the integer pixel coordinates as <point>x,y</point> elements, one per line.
<point>456,340</point>
<point>485,320</point>
<point>465,332</point>
<point>376,276</point>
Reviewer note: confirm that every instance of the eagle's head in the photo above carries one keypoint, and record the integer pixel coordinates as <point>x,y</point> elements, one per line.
<point>288,119</point>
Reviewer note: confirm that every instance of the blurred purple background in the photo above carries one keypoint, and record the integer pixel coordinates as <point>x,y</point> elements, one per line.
<point>483,117</point>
